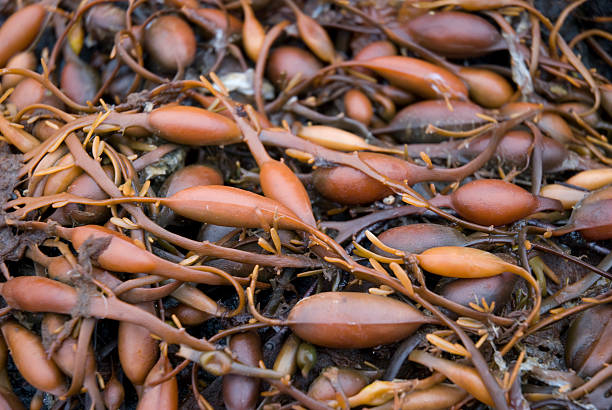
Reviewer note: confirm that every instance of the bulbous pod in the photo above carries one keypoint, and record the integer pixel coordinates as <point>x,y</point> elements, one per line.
<point>349,186</point>
<point>592,119</point>
<point>26,60</point>
<point>397,95</point>
<point>463,376</point>
<point>286,62</point>
<point>599,195</point>
<point>104,20</point>
<point>229,206</point>
<point>37,401</point>
<point>593,215</point>
<point>592,179</point>
<point>517,108</point>
<point>463,262</point>
<point>189,316</point>
<point>75,38</point>
<point>45,129</point>
<point>29,91</point>
<point>59,269</point>
<point>417,238</point>
<point>496,289</point>
<point>314,35</point>
<point>170,42</point>
<point>138,351</point>
<point>556,127</point>
<point>241,392</point>
<point>410,123</point>
<point>163,395</point>
<point>588,343</point>
<point>114,393</point>
<point>84,186</point>
<point>376,49</point>
<point>285,362</point>
<point>496,202</point>
<point>550,123</point>
<point>253,34</point>
<point>353,320</point>
<point>487,88</point>
<point>119,249</point>
<point>350,380</point>
<point>25,293</point>
<point>279,182</point>
<point>24,142</point>
<point>197,299</point>
<point>358,106</point>
<point>59,181</point>
<point>417,76</point>
<point>193,126</point>
<point>335,138</point>
<point>31,360</point>
<point>566,195</point>
<point>601,220</point>
<point>441,396</point>
<point>187,177</point>
<point>79,81</point>
<point>64,356</point>
<point>20,29</point>
<point>514,148</point>
<point>211,20</point>
<point>455,34</point>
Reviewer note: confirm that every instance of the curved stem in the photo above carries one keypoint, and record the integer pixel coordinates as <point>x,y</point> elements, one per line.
<point>346,229</point>
<point>494,389</point>
<point>94,169</point>
<point>260,65</point>
<point>584,72</point>
<point>173,373</point>
<point>48,84</point>
<point>589,33</point>
<point>297,394</point>
<point>535,46</point>
<point>340,121</point>
<point>602,299</point>
<point>237,329</point>
<point>107,82</point>
<point>599,377</point>
<point>60,113</point>
<point>131,284</point>
<point>402,38</point>
<point>137,67</point>
<point>577,288</point>
<point>80,356</point>
<point>75,18</point>
<point>287,140</point>
<point>552,40</point>
<point>536,159</point>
